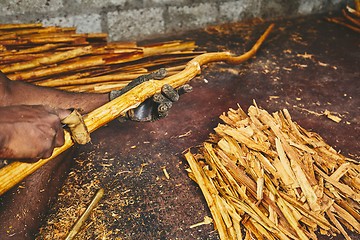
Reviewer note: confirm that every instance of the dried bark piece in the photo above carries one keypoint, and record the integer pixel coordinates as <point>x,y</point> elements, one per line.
<point>208,191</point>
<point>295,163</point>
<point>54,58</point>
<point>240,137</point>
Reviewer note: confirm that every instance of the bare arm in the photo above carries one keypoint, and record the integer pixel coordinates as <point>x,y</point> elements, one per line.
<point>30,117</point>
<point>20,93</point>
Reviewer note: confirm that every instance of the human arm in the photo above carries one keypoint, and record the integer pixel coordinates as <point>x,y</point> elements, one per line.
<point>23,116</point>
<point>22,93</point>
<point>30,117</point>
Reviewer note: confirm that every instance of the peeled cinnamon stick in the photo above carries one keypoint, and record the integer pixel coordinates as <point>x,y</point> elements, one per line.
<point>54,58</point>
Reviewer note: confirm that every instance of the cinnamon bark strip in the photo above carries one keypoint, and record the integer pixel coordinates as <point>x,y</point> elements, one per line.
<point>345,189</point>
<point>7,36</point>
<point>351,19</point>
<point>18,58</point>
<point>295,163</point>
<point>47,60</point>
<point>40,31</point>
<point>89,80</point>
<point>80,222</point>
<point>353,11</point>
<point>334,20</point>
<point>337,224</point>
<point>96,87</point>
<point>19,25</point>
<point>103,78</point>
<point>97,37</point>
<point>38,49</point>
<point>209,193</point>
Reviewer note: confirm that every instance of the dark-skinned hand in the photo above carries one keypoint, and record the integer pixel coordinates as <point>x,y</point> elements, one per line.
<point>30,132</point>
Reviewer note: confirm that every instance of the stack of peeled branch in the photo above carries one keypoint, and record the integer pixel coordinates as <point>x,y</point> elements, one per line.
<point>264,176</point>
<point>83,62</point>
<point>351,17</point>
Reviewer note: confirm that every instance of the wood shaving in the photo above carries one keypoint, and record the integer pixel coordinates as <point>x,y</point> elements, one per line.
<point>207,220</point>
<point>166,173</point>
<point>331,116</point>
<point>305,55</point>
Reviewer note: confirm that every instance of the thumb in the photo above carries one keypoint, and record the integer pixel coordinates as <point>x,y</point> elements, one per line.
<point>62,113</point>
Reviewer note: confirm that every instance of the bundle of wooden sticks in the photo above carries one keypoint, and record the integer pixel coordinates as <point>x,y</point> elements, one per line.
<point>83,62</point>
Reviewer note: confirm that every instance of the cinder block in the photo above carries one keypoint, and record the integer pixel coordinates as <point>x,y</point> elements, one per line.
<point>101,3</point>
<point>168,2</point>
<point>181,18</point>
<point>31,7</point>
<point>277,8</point>
<point>239,10</point>
<point>135,24</point>
<point>85,23</point>
<point>310,6</point>
<point>317,6</point>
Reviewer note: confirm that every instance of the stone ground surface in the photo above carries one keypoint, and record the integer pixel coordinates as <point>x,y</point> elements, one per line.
<point>307,64</point>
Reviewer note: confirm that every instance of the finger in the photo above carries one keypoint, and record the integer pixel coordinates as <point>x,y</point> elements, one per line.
<point>47,151</point>
<point>159,74</point>
<point>55,131</point>
<point>186,88</point>
<point>143,112</point>
<point>63,113</point>
<point>159,98</point>
<point>30,160</point>
<point>163,109</point>
<point>59,131</point>
<point>47,154</point>
<point>169,92</point>
<point>59,138</point>
<point>60,112</point>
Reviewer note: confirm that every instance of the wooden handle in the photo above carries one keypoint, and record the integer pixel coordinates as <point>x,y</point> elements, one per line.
<point>15,172</point>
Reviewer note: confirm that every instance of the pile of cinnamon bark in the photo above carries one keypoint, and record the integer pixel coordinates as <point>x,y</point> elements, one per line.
<point>265,177</point>
<point>83,62</point>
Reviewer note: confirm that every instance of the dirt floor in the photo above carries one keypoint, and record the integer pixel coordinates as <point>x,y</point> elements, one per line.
<point>307,65</point>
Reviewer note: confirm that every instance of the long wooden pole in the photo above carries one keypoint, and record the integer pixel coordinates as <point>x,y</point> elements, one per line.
<point>15,172</point>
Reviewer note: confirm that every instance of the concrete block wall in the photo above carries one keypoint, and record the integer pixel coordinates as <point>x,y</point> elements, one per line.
<point>142,19</point>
